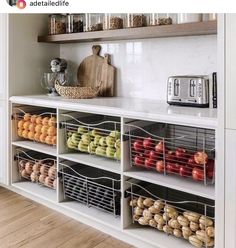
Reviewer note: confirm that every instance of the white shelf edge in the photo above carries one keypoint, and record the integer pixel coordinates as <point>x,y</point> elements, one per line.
<point>36,147</point>
<point>37,190</point>
<point>174,182</point>
<point>99,162</point>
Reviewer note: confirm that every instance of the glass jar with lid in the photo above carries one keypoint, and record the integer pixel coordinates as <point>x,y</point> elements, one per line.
<point>162,19</point>
<point>94,21</point>
<point>57,24</point>
<point>75,23</point>
<point>114,21</point>
<point>136,20</point>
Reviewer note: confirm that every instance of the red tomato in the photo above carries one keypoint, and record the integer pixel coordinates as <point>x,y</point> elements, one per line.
<point>198,174</point>
<point>139,160</point>
<point>148,143</point>
<point>185,171</point>
<point>160,166</point>
<point>149,163</point>
<point>138,145</point>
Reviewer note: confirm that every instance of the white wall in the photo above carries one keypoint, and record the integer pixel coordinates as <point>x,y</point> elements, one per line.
<point>143,66</point>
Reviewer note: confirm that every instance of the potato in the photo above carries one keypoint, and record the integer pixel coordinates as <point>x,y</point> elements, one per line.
<point>167,229</point>
<point>34,177</point>
<point>48,140</point>
<point>206,221</point>
<point>147,214</point>
<point>186,232</point>
<point>26,117</point>
<point>138,211</point>
<point>201,235</point>
<point>153,223</point>
<point>210,231</point>
<point>143,221</point>
<point>202,227</point>
<point>148,202</point>
<point>160,227</point>
<point>45,121</point>
<point>177,233</point>
<point>54,140</point>
<point>52,121</point>
<point>32,127</point>
<point>38,128</point>
<point>158,204</point>
<point>44,170</point>
<point>44,130</point>
<point>153,210</point>
<point>29,167</point>
<point>42,179</point>
<point>42,138</point>
<point>36,167</point>
<point>25,134</point>
<point>194,226</point>
<point>31,135</point>
<point>33,118</point>
<point>174,224</point>
<point>136,217</point>
<point>159,219</point>
<point>52,131</point>
<point>38,120</point>
<point>133,203</point>
<point>171,211</point>
<point>20,132</point>
<point>195,241</point>
<point>24,174</point>
<point>26,125</point>
<point>48,182</point>
<point>192,216</point>
<point>140,202</point>
<point>183,221</point>
<point>166,217</point>
<point>210,243</point>
<point>52,172</point>
<point>20,124</point>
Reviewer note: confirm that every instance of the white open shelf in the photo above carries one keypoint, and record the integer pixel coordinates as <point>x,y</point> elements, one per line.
<point>182,184</point>
<point>155,237</point>
<point>93,214</point>
<point>37,190</point>
<point>50,150</point>
<point>93,161</point>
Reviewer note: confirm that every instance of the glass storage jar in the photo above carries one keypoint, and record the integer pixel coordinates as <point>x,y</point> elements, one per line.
<point>94,21</point>
<point>136,20</point>
<point>162,19</point>
<point>75,23</point>
<point>114,21</point>
<point>57,24</point>
<point>189,17</point>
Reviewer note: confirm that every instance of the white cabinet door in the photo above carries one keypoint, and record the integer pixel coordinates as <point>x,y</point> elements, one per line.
<point>3,142</point>
<point>3,55</point>
<point>230,189</point>
<point>230,65</point>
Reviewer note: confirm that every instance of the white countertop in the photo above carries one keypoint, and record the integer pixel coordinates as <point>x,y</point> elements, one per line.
<point>128,107</point>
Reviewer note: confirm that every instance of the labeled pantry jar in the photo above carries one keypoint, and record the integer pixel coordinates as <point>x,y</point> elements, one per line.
<point>94,21</point>
<point>75,23</point>
<point>57,24</point>
<point>162,19</point>
<point>114,21</point>
<point>136,20</point>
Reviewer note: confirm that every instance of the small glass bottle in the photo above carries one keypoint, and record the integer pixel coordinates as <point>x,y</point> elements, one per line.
<point>115,21</point>
<point>94,21</point>
<point>136,20</point>
<point>57,24</point>
<point>74,23</point>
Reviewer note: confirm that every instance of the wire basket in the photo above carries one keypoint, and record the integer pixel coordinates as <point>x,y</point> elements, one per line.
<point>93,187</point>
<point>76,92</point>
<point>186,152</point>
<point>164,209</point>
<point>96,135</point>
<point>36,126</point>
<point>37,168</point>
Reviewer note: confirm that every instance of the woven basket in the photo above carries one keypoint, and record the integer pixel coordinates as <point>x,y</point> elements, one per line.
<point>76,92</point>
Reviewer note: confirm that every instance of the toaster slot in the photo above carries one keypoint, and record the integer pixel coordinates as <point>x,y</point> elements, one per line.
<point>176,87</point>
<point>192,88</point>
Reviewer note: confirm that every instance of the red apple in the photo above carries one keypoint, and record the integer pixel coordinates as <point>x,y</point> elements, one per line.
<point>170,168</point>
<point>138,145</point>
<point>191,162</point>
<point>200,158</point>
<point>149,163</point>
<point>148,143</point>
<point>160,166</point>
<point>153,155</point>
<point>170,156</point>
<point>181,155</point>
<point>139,160</point>
<point>185,171</point>
<point>160,147</point>
<point>177,168</point>
<point>198,174</point>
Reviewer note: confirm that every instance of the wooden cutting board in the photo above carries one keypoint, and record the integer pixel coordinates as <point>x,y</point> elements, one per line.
<point>95,70</point>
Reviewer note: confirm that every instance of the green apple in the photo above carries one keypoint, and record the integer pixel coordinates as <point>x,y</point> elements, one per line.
<point>115,134</point>
<point>92,148</point>
<point>82,147</point>
<point>75,137</point>
<point>82,130</point>
<point>86,138</point>
<point>94,132</point>
<point>70,144</point>
<point>117,144</point>
<point>110,152</point>
<point>102,141</point>
<point>101,151</point>
<point>117,154</point>
<point>110,141</point>
<point>96,139</point>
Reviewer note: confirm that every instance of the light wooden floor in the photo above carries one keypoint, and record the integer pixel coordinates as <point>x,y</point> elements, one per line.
<point>24,223</point>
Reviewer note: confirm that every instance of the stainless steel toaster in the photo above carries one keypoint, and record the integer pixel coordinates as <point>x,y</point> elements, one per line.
<point>188,91</point>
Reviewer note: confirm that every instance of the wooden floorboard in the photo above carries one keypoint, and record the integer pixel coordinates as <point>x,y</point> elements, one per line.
<point>26,224</point>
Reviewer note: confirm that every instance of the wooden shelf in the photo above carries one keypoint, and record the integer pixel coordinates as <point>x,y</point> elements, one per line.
<point>186,29</point>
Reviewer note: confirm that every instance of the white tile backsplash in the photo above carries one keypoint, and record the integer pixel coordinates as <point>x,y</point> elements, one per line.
<point>143,66</point>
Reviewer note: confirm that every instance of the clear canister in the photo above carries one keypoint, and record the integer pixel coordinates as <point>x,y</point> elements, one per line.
<point>57,24</point>
<point>136,20</point>
<point>75,23</point>
<point>163,19</point>
<point>94,21</point>
<point>115,21</point>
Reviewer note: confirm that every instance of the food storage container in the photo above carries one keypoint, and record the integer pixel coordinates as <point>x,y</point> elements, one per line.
<point>189,17</point>
<point>162,19</point>
<point>209,17</point>
<point>114,21</point>
<point>94,21</point>
<point>137,20</point>
<point>75,23</point>
<point>57,24</point>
